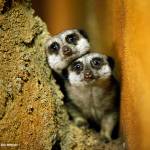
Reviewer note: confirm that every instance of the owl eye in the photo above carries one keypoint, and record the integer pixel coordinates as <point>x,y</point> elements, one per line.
<point>96,62</point>
<point>77,67</point>
<point>72,38</point>
<point>54,47</point>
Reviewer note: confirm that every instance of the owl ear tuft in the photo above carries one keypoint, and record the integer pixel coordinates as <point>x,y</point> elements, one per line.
<point>111,62</point>
<point>83,33</point>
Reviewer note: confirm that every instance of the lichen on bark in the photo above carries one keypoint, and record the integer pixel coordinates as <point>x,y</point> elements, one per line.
<point>32,113</point>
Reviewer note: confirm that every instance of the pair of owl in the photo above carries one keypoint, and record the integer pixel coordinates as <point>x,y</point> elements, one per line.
<point>90,84</point>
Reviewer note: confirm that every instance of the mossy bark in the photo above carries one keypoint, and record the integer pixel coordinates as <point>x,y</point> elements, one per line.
<point>32,113</point>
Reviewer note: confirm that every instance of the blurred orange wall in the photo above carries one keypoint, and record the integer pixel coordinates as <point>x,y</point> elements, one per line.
<point>136,74</point>
<point>62,14</point>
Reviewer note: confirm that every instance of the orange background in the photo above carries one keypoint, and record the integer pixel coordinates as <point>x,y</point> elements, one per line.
<point>120,28</point>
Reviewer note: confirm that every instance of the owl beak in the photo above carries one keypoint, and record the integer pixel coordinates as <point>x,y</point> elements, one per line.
<point>88,75</point>
<point>67,51</point>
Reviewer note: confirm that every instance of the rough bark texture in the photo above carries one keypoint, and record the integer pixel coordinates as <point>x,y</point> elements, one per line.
<point>32,112</point>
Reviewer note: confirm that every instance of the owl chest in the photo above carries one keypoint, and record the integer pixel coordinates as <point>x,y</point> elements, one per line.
<point>80,96</point>
<point>89,101</point>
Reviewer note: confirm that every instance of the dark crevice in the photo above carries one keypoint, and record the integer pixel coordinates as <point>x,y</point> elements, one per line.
<point>7,6</point>
<point>9,97</point>
<point>39,82</point>
<point>56,145</point>
<point>2,114</point>
<point>31,43</point>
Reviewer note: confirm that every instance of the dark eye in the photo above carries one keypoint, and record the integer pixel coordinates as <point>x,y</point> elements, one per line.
<point>77,67</point>
<point>72,38</point>
<point>96,62</point>
<point>54,47</point>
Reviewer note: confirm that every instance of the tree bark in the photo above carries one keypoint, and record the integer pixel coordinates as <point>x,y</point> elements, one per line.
<point>32,112</point>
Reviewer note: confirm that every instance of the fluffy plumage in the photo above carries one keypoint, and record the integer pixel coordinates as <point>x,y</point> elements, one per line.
<point>92,88</point>
<point>64,47</point>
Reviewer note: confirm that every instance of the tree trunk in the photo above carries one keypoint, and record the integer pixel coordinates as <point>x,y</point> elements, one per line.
<point>32,113</point>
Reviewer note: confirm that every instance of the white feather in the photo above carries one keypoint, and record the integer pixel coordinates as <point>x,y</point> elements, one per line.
<point>105,71</point>
<point>74,78</point>
<point>56,63</point>
<point>83,45</point>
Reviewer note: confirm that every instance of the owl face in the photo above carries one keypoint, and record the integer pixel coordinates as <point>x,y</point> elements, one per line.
<point>63,48</point>
<point>89,68</point>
